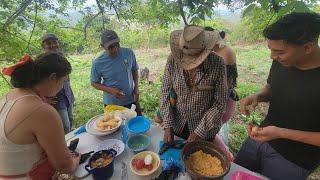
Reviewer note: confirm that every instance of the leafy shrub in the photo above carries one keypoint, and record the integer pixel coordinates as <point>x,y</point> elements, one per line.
<point>245,89</point>
<point>237,134</point>
<point>150,97</point>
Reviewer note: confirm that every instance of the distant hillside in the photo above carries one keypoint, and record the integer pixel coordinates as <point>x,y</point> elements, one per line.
<point>223,12</point>
<point>229,15</point>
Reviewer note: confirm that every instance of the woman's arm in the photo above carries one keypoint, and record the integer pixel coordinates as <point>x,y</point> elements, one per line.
<point>48,129</point>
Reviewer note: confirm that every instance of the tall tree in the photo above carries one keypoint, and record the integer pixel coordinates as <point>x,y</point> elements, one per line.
<point>150,14</point>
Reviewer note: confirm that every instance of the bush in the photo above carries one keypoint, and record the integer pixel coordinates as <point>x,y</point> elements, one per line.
<point>150,97</point>
<point>238,133</point>
<point>251,26</point>
<point>245,89</point>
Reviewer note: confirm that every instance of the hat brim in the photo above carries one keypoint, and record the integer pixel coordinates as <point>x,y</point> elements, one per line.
<point>107,44</point>
<point>188,62</point>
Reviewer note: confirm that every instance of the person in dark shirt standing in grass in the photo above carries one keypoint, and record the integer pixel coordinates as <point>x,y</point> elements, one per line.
<point>64,100</point>
<point>287,144</point>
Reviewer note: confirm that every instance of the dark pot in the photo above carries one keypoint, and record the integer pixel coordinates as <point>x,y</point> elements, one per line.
<point>105,172</point>
<point>209,148</point>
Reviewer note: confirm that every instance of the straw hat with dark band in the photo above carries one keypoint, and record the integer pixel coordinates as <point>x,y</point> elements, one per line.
<point>191,46</point>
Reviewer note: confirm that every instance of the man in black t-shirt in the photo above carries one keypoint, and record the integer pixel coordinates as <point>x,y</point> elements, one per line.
<point>287,144</point>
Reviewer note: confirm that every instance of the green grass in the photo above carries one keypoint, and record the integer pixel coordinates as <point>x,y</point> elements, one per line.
<point>253,63</point>
<point>237,133</point>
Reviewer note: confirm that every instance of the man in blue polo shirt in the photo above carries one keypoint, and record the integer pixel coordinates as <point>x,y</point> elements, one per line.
<point>115,72</point>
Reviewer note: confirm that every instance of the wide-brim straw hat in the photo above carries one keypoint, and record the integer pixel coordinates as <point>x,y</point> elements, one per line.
<point>192,45</point>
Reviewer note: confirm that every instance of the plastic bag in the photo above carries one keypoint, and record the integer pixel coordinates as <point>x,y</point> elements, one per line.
<point>171,169</point>
<point>170,162</point>
<point>126,114</point>
<point>240,175</point>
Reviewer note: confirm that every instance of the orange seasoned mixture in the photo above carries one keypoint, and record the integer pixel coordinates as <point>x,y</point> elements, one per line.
<point>204,164</point>
<point>103,161</point>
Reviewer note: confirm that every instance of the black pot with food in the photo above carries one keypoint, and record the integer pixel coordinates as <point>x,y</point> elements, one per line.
<point>101,164</point>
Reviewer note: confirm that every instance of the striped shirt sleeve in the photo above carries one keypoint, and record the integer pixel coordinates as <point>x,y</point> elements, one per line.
<point>211,120</point>
<point>165,109</point>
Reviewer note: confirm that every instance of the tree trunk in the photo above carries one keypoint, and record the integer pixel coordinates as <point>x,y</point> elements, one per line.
<point>182,12</point>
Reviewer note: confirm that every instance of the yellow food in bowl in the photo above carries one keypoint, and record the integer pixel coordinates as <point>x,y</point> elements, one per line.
<point>110,108</point>
<point>107,122</point>
<point>204,164</point>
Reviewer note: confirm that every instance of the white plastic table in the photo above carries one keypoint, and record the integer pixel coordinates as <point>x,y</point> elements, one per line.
<point>88,142</point>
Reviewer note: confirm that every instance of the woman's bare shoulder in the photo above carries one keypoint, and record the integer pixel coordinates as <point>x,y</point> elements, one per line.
<point>47,111</point>
<point>227,54</point>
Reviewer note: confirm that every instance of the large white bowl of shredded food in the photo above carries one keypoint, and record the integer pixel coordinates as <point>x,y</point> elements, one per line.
<point>101,125</point>
<point>204,160</point>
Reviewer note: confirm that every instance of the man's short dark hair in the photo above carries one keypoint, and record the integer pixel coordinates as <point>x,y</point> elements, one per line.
<point>295,28</point>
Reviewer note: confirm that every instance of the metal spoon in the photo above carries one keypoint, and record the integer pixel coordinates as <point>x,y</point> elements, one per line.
<point>124,173</point>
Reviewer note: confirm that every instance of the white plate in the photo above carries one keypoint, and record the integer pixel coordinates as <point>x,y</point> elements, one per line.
<point>115,144</point>
<point>91,127</point>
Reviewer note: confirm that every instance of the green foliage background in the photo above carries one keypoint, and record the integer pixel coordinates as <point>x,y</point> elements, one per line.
<point>144,26</point>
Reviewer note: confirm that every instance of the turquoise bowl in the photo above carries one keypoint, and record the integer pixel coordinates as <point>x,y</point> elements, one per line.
<point>139,124</point>
<point>138,142</point>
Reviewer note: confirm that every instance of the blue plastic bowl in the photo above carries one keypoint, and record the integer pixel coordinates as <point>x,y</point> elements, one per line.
<point>138,124</point>
<point>138,142</point>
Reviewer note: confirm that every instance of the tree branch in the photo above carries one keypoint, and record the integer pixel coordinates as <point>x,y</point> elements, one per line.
<point>23,6</point>
<point>34,25</point>
<point>26,18</point>
<point>5,79</point>
<point>102,12</point>
<point>182,12</point>
<point>73,28</point>
<point>22,39</point>
<point>88,23</point>
<point>115,9</point>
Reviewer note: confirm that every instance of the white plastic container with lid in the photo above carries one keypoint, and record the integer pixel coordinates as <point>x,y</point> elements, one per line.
<point>127,114</point>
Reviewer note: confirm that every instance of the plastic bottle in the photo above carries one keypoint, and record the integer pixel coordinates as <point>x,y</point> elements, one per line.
<point>124,131</point>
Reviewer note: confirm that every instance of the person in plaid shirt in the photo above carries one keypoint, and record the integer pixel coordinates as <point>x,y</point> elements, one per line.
<point>194,89</point>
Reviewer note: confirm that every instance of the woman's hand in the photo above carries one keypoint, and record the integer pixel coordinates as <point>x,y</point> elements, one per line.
<point>75,159</point>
